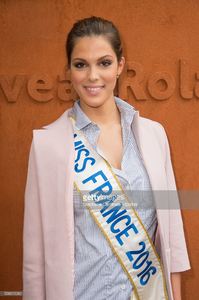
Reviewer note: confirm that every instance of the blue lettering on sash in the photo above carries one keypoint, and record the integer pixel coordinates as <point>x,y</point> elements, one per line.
<point>93,177</point>
<point>87,159</point>
<point>84,153</point>
<point>125,232</point>
<point>80,151</point>
<point>140,260</point>
<point>116,216</point>
<point>77,144</point>
<point>101,189</point>
<point>107,203</point>
<point>114,213</point>
<point>118,220</point>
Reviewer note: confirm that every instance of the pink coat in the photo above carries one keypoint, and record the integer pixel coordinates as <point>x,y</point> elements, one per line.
<point>48,258</point>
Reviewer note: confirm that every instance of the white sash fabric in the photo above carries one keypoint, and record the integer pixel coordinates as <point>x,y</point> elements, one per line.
<point>113,212</point>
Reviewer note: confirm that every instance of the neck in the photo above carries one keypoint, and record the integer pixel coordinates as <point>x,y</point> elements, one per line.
<point>104,115</point>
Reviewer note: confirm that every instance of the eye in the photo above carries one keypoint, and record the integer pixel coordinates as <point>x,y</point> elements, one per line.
<point>79,65</point>
<point>106,62</point>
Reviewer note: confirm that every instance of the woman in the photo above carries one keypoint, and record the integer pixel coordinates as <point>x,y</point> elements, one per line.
<point>81,239</point>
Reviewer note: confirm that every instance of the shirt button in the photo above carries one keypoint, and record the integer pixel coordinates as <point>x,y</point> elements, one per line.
<point>122,286</point>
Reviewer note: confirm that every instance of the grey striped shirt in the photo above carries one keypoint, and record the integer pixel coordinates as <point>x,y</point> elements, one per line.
<point>98,274</point>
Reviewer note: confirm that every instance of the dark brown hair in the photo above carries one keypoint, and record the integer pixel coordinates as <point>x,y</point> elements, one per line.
<point>94,26</point>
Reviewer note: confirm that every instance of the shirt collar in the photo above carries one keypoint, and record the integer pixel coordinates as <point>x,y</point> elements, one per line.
<point>80,117</point>
<point>127,113</point>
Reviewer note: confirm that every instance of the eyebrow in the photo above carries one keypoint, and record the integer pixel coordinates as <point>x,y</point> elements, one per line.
<point>82,59</point>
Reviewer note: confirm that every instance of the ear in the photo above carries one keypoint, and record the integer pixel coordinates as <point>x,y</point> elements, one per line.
<point>121,65</point>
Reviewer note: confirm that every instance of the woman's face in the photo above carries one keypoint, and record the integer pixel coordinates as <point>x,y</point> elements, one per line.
<point>94,69</point>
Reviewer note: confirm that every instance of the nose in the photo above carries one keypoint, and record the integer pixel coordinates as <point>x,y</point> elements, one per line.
<point>93,74</point>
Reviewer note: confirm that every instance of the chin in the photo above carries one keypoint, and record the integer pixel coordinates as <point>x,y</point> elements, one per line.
<point>95,104</point>
<point>92,101</point>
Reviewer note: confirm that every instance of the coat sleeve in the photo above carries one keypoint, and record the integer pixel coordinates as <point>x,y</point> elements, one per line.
<point>33,250</point>
<point>179,260</point>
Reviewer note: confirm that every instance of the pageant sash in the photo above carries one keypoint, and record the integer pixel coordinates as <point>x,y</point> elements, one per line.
<point>109,206</point>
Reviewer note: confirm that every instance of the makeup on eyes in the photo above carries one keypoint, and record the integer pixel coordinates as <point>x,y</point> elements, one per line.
<point>106,61</point>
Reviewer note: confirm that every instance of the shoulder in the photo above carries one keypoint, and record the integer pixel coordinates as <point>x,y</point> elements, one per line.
<point>152,127</point>
<point>60,123</point>
<point>151,124</point>
<point>54,137</point>
<point>144,128</point>
<point>145,125</point>
<point>152,133</point>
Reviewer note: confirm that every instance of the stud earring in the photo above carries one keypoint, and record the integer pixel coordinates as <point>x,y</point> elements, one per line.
<point>117,76</point>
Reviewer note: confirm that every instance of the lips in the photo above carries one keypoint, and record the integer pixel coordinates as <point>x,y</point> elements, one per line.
<point>94,90</point>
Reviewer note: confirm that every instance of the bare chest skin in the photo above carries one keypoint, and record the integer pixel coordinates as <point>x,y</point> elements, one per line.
<point>110,143</point>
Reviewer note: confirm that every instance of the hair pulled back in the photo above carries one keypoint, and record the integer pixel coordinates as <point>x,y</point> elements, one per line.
<point>94,26</point>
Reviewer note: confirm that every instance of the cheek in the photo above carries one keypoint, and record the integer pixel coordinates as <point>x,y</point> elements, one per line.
<point>110,76</point>
<point>77,78</point>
